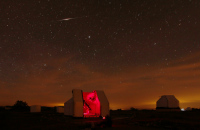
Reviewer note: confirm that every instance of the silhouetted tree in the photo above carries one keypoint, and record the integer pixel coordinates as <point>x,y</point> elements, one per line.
<point>133,109</point>
<point>21,106</point>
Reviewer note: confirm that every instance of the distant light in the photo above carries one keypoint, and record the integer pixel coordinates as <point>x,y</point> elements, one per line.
<point>104,117</point>
<point>182,109</point>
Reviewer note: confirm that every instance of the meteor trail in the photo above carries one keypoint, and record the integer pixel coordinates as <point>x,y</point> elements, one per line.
<point>66,19</point>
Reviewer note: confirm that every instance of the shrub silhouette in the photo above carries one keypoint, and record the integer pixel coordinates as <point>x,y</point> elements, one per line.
<point>21,106</point>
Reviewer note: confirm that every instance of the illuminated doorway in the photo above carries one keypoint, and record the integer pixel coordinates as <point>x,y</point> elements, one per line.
<point>91,104</point>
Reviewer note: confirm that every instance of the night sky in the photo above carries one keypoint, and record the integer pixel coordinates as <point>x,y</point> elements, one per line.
<point>134,50</point>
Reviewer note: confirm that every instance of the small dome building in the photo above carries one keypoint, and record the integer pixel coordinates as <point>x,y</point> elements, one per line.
<point>168,102</point>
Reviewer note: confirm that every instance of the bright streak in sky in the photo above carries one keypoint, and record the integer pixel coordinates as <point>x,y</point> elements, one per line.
<point>66,19</point>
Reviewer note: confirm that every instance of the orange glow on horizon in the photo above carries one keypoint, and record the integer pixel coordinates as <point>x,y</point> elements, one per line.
<point>138,87</point>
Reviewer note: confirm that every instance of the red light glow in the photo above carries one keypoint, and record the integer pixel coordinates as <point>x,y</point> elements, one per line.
<point>91,107</point>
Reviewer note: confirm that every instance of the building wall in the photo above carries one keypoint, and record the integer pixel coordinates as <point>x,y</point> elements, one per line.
<point>69,107</point>
<point>162,102</point>
<point>78,103</point>
<point>60,109</point>
<point>103,102</point>
<point>35,108</point>
<point>172,102</point>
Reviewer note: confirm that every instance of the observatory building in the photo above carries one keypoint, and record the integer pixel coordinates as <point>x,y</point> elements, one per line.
<point>87,104</point>
<point>35,108</point>
<point>168,102</point>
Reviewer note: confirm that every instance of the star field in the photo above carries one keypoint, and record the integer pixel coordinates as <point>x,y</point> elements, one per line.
<point>137,50</point>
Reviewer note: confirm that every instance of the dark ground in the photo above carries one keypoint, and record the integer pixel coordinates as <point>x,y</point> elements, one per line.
<point>142,119</point>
